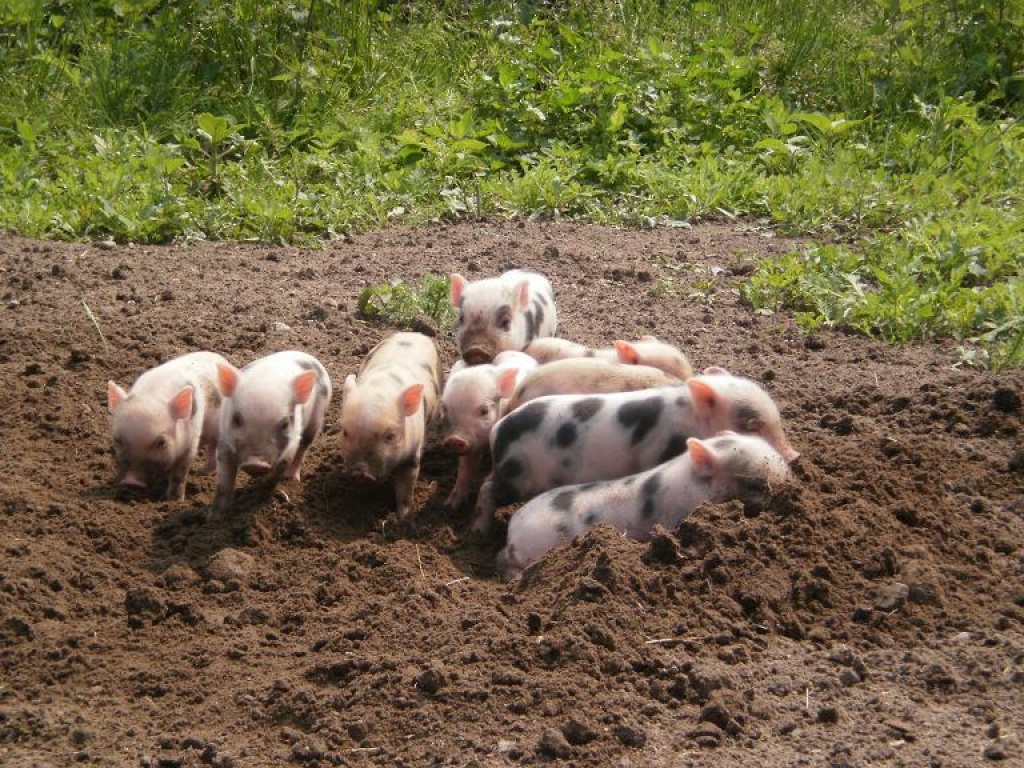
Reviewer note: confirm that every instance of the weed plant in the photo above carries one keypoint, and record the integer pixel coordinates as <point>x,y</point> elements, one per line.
<point>889,130</point>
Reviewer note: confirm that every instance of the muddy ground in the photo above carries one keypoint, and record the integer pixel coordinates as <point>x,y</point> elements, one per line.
<point>871,615</point>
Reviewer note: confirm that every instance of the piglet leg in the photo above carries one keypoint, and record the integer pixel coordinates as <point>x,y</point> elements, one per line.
<point>469,468</point>
<point>484,507</point>
<point>227,470</point>
<point>405,483</point>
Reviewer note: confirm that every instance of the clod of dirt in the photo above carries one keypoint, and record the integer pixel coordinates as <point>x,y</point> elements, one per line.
<point>631,736</point>
<point>430,680</point>
<point>230,565</point>
<point>923,584</point>
<point>14,629</point>
<point>849,677</point>
<point>577,733</point>
<point>1006,400</point>
<point>178,576</point>
<point>662,548</point>
<point>828,715</point>
<point>308,749</point>
<point>1016,462</point>
<point>144,602</point>
<point>553,744</point>
<point>892,596</point>
<point>721,711</point>
<point>707,735</point>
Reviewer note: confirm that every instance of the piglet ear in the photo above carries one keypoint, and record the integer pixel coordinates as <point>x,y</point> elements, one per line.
<point>303,385</point>
<point>350,384</point>
<point>701,455</point>
<point>716,370</point>
<point>457,289</point>
<point>705,399</point>
<point>507,381</point>
<point>523,295</point>
<point>114,396</point>
<point>227,379</point>
<point>411,399</point>
<point>626,353</point>
<point>181,404</point>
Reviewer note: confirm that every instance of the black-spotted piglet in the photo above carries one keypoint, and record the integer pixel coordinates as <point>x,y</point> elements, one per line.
<point>567,439</point>
<point>727,466</point>
<point>501,313</point>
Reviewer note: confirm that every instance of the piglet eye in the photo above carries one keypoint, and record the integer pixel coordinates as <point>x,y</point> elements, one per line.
<point>459,320</point>
<point>484,409</point>
<point>505,323</point>
<point>390,436</point>
<point>236,419</point>
<point>160,442</point>
<point>282,425</point>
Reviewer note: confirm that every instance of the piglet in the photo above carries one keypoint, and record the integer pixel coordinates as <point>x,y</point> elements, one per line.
<point>385,412</point>
<point>727,466</point>
<point>274,409</point>
<point>472,402</point>
<point>159,425</point>
<point>501,313</point>
<point>567,439</point>
<point>649,351</point>
<point>580,376</point>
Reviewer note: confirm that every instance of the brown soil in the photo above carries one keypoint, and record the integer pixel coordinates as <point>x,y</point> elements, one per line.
<point>871,615</point>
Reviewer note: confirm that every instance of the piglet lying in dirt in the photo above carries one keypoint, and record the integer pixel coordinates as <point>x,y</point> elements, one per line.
<point>472,402</point>
<point>274,409</point>
<point>501,313</point>
<point>385,411</point>
<point>649,350</point>
<point>583,375</point>
<point>160,423</point>
<point>568,439</point>
<point>727,466</point>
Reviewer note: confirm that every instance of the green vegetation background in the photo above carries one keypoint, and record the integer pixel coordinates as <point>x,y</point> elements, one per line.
<point>888,129</point>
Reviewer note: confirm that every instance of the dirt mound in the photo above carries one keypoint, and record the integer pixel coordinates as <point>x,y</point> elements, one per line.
<point>870,613</point>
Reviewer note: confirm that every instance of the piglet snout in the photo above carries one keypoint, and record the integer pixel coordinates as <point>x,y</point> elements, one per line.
<point>456,444</point>
<point>477,356</point>
<point>362,471</point>
<point>132,481</point>
<point>256,467</point>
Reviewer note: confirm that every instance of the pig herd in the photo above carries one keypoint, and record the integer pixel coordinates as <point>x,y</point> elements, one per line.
<point>625,435</point>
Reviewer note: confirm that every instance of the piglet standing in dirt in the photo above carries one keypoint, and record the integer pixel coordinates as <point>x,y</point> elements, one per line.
<point>159,425</point>
<point>567,439</point>
<point>472,402</point>
<point>501,313</point>
<point>649,350</point>
<point>385,412</point>
<point>727,466</point>
<point>274,409</point>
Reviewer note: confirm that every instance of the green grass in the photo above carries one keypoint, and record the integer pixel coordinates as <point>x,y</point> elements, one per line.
<point>400,304</point>
<point>888,131</point>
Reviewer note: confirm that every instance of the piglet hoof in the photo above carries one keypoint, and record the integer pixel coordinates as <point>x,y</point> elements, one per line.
<point>455,501</point>
<point>218,510</point>
<point>480,528</point>
<point>175,493</point>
